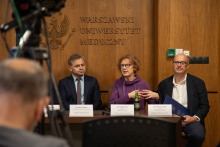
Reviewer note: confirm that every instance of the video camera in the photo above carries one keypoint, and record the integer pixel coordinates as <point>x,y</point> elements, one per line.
<point>31,12</point>
<point>27,16</point>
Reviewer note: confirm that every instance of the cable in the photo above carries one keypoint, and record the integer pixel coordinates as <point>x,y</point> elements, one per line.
<point>50,81</point>
<point>19,24</point>
<point>48,44</point>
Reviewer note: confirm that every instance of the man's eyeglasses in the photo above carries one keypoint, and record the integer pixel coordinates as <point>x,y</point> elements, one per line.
<point>182,63</point>
<point>124,65</point>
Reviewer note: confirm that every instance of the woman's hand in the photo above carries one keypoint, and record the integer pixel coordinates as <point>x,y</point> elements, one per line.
<point>131,95</point>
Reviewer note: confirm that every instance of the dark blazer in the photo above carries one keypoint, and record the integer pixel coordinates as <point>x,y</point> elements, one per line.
<point>68,94</point>
<point>197,98</point>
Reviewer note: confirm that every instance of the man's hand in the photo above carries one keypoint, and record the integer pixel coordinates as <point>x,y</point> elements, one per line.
<point>147,94</point>
<point>188,120</point>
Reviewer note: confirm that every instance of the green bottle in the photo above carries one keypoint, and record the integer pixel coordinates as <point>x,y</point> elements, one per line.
<point>136,102</point>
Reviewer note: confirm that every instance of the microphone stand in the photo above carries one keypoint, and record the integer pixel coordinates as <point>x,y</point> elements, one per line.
<point>106,110</point>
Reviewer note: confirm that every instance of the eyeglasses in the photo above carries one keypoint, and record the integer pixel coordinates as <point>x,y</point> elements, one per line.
<point>124,65</point>
<point>182,63</point>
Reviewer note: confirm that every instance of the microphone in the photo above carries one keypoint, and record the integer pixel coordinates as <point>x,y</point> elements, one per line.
<point>115,95</point>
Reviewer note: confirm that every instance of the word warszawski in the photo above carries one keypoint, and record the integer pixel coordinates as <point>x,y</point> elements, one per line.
<point>107,19</point>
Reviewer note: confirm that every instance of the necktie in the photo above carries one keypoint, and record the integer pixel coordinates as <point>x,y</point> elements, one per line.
<point>78,91</point>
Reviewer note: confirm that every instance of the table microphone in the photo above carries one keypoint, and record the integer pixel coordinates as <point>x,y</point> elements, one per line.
<point>115,95</point>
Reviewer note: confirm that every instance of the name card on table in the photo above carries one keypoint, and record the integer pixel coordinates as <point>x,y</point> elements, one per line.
<point>122,110</point>
<point>160,110</point>
<point>55,107</point>
<point>81,111</point>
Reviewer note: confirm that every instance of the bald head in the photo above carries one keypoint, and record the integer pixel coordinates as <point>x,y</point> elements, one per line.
<point>180,65</point>
<point>23,77</point>
<point>181,57</point>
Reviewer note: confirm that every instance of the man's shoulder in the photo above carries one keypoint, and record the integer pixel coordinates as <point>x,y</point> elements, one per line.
<point>89,78</point>
<point>46,141</point>
<point>13,136</point>
<point>66,79</point>
<point>167,80</point>
<point>194,78</point>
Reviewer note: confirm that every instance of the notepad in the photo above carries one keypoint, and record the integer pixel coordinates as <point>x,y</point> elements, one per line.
<point>177,108</point>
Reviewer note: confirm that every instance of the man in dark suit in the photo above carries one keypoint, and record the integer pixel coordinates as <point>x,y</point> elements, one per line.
<point>79,88</point>
<point>191,92</point>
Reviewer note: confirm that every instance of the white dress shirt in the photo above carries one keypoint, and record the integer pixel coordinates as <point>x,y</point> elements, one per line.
<point>180,92</point>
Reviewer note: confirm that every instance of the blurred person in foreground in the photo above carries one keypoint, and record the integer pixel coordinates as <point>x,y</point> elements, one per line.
<point>23,95</point>
<point>124,88</point>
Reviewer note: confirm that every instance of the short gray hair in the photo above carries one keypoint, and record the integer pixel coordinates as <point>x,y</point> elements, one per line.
<point>74,57</point>
<point>29,84</point>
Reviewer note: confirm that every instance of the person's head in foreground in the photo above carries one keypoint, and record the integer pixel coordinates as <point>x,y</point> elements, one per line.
<point>23,93</point>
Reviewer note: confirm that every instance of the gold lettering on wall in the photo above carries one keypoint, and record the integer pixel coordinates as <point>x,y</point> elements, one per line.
<point>102,42</point>
<point>107,19</point>
<point>110,41</point>
<point>110,30</point>
<point>57,31</point>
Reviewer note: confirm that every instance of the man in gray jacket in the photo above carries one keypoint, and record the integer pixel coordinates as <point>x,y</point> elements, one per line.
<point>23,95</point>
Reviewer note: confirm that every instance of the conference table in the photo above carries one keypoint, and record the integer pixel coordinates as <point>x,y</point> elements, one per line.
<point>76,125</point>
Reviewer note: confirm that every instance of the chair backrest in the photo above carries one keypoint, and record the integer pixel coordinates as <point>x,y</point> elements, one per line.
<point>110,89</point>
<point>128,131</point>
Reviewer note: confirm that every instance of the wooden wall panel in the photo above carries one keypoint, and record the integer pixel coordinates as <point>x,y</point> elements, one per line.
<point>212,122</point>
<point>101,58</point>
<point>194,26</point>
<point>190,25</point>
<point>138,44</point>
<point>104,97</point>
<point>134,32</point>
<point>10,36</point>
<point>164,64</point>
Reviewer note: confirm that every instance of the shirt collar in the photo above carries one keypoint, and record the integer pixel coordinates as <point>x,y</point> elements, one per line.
<point>174,83</point>
<point>75,79</point>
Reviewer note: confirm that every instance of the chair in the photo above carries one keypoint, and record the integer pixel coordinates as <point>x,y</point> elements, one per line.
<point>128,131</point>
<point>109,94</point>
